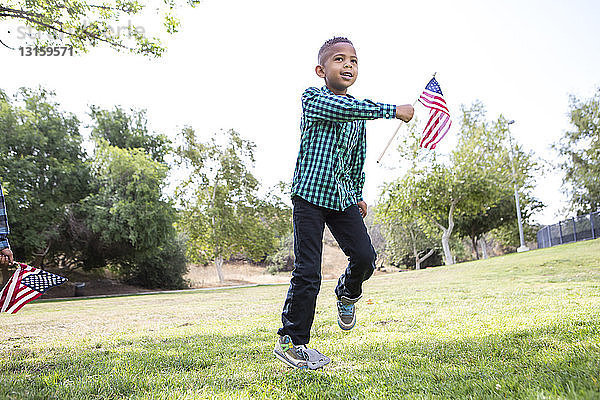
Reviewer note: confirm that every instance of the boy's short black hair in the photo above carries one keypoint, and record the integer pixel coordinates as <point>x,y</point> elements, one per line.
<point>330,42</point>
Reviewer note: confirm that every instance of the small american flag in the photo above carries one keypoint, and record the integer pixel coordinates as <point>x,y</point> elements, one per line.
<point>26,284</point>
<point>439,117</point>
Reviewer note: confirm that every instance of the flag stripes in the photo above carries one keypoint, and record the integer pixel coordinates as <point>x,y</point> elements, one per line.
<point>437,125</point>
<point>430,100</point>
<point>26,284</point>
<point>439,117</point>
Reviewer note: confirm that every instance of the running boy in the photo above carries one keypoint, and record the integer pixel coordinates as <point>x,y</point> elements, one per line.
<point>327,189</point>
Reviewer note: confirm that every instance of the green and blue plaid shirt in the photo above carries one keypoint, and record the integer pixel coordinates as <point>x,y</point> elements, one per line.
<point>4,230</point>
<point>329,170</point>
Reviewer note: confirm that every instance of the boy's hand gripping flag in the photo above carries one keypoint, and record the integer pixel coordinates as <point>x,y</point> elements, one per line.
<point>439,117</point>
<point>26,284</point>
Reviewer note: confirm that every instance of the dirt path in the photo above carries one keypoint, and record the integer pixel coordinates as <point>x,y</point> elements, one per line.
<point>238,273</point>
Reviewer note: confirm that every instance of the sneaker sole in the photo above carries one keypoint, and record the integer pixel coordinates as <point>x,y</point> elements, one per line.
<point>346,327</point>
<point>285,360</point>
<point>315,366</point>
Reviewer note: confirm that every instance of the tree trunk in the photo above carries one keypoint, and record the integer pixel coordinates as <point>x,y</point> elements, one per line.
<point>483,247</point>
<point>448,258</point>
<point>474,244</point>
<point>219,259</point>
<point>40,257</point>
<point>415,252</point>
<point>219,265</point>
<point>419,260</point>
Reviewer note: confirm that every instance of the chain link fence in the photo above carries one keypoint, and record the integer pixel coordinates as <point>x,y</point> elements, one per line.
<point>583,227</point>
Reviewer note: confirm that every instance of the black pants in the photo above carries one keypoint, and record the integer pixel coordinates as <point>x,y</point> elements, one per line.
<point>351,234</point>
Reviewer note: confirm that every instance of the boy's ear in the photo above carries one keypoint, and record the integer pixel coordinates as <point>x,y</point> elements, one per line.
<point>320,72</point>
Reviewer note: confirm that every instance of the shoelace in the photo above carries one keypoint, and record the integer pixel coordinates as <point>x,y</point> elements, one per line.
<point>346,309</point>
<point>300,349</point>
<point>316,353</point>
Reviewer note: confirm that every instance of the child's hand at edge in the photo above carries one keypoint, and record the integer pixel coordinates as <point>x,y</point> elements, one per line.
<point>362,207</point>
<point>6,257</point>
<point>405,112</point>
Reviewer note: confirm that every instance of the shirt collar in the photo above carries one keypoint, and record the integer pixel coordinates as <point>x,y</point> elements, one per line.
<point>328,91</point>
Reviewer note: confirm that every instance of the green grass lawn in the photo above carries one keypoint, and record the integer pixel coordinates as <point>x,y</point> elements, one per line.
<point>519,326</point>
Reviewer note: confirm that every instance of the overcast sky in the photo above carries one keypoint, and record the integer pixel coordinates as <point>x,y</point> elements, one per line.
<point>244,64</point>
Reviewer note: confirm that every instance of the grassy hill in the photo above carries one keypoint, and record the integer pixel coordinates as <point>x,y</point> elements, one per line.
<point>518,326</point>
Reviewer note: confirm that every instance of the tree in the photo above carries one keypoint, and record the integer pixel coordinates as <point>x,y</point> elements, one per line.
<point>83,24</point>
<point>127,223</point>
<point>483,158</point>
<point>403,235</point>
<point>475,177</point>
<point>435,193</point>
<point>508,234</point>
<point>128,131</point>
<point>401,223</point>
<point>278,216</point>
<point>74,212</point>
<point>44,169</point>
<point>475,226</point>
<point>223,214</point>
<point>499,214</point>
<point>580,149</point>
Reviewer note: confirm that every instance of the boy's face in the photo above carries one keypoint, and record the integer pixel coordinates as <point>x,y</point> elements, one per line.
<point>339,67</point>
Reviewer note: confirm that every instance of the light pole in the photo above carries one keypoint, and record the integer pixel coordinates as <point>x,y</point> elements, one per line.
<point>517,203</point>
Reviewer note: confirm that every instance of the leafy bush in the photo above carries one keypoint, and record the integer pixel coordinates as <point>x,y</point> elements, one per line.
<point>164,269</point>
<point>43,169</point>
<point>283,258</point>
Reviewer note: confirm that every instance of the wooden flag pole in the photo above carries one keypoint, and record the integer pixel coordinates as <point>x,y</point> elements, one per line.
<point>397,129</point>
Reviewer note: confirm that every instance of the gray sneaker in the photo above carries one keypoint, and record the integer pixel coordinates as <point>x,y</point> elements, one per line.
<point>316,359</point>
<point>294,356</point>
<point>347,312</point>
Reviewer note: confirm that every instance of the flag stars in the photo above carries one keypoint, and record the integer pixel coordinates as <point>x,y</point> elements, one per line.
<point>434,86</point>
<point>42,281</point>
<point>26,284</point>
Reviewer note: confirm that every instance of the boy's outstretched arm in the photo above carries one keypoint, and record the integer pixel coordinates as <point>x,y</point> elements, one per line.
<point>331,107</point>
